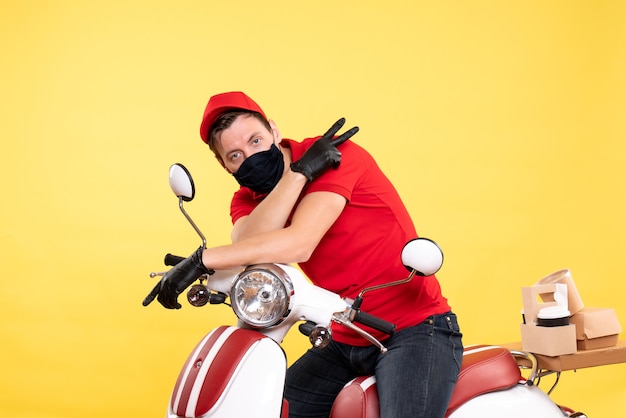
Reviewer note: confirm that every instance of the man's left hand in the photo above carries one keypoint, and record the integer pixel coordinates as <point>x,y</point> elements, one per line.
<point>323,154</point>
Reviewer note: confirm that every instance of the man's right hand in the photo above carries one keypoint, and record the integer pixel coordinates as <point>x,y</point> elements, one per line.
<point>175,281</point>
<point>323,154</point>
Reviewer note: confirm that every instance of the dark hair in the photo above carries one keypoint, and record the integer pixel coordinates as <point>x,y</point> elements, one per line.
<point>225,120</point>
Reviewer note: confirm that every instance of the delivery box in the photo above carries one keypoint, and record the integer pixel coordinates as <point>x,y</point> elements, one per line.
<point>596,328</point>
<point>547,340</point>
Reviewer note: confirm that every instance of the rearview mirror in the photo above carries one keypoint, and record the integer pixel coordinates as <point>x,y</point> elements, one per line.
<point>422,255</point>
<point>181,182</point>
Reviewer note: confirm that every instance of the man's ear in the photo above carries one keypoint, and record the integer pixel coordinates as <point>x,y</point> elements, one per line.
<point>275,132</point>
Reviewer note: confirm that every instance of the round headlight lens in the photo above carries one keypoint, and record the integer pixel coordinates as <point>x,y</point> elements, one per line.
<point>261,295</point>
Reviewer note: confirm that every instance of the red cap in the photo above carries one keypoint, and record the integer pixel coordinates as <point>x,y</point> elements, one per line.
<point>222,102</point>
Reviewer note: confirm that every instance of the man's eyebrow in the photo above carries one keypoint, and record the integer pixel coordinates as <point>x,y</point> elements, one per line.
<point>250,139</point>
<point>255,135</point>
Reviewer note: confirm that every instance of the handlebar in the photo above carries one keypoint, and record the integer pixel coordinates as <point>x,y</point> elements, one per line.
<point>172,260</point>
<point>357,315</point>
<point>374,322</point>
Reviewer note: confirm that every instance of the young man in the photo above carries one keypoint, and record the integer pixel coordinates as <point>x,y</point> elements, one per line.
<point>325,204</point>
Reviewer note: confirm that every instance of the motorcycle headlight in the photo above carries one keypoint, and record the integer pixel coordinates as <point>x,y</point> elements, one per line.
<point>261,295</point>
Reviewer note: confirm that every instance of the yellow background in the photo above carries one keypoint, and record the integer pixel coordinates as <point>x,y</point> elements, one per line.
<point>500,122</point>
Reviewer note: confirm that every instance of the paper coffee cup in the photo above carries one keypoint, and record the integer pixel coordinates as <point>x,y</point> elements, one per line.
<point>574,301</point>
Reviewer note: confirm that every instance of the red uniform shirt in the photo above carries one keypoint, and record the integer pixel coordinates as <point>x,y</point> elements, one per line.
<point>364,245</point>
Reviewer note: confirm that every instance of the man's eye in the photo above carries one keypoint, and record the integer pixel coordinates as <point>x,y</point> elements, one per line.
<point>234,156</point>
<point>256,141</point>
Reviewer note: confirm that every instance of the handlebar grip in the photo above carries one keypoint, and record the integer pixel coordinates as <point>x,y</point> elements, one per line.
<point>306,328</point>
<point>374,322</point>
<point>172,260</point>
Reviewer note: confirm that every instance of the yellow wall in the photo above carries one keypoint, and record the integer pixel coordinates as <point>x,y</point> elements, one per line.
<point>501,123</point>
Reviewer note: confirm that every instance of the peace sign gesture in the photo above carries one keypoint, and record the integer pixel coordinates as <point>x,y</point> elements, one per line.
<point>323,154</point>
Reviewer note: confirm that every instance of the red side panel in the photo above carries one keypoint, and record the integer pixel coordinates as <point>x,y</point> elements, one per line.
<point>285,411</point>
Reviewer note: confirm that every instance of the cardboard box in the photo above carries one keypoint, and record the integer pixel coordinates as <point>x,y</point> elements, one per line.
<point>596,328</point>
<point>549,341</point>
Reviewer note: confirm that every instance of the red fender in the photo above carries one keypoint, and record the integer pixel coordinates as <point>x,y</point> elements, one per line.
<point>209,369</point>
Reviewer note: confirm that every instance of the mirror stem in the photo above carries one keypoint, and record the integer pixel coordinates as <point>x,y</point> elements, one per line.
<point>382,286</point>
<point>180,205</point>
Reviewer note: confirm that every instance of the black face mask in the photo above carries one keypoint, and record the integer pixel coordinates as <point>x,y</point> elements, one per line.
<point>261,171</point>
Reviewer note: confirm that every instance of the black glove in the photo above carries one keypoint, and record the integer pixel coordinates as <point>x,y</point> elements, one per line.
<point>178,279</point>
<point>323,154</point>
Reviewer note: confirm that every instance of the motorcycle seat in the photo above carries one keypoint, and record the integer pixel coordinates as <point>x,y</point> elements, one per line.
<point>484,369</point>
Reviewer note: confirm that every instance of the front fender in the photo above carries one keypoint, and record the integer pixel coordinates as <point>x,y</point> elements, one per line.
<point>231,372</point>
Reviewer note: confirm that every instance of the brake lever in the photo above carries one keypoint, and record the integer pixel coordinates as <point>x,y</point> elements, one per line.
<point>341,319</point>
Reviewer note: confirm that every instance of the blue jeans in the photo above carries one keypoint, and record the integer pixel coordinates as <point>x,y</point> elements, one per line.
<point>415,378</point>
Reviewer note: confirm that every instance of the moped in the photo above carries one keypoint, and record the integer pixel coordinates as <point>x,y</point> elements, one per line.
<point>239,371</point>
